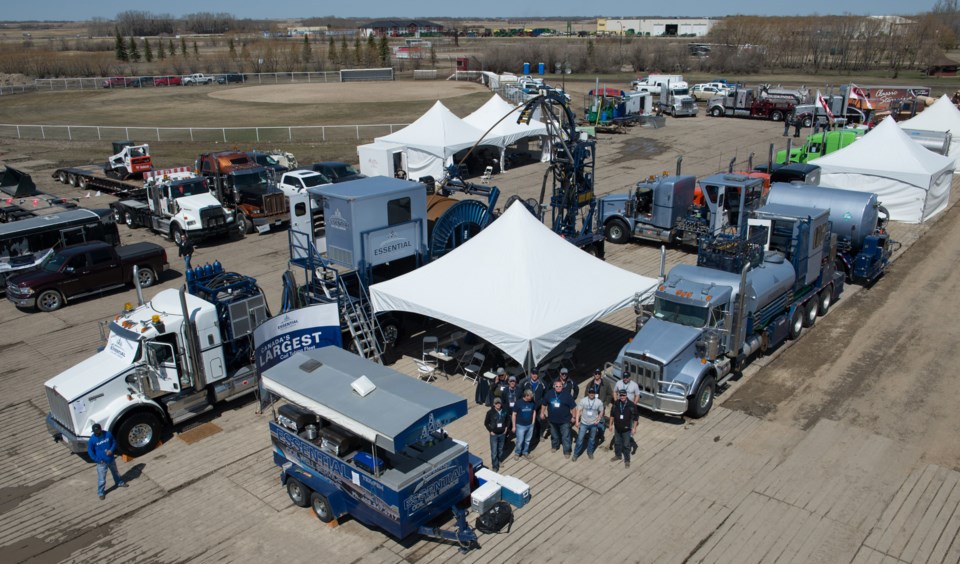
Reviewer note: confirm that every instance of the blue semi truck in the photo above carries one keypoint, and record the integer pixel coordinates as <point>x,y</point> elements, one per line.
<point>747,294</point>
<point>352,437</point>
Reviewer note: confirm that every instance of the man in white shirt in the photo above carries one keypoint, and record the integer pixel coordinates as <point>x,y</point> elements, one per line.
<point>589,413</point>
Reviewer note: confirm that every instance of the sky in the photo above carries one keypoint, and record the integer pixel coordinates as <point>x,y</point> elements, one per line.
<point>19,10</point>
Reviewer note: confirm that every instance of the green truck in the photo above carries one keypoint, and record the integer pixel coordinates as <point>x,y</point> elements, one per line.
<point>820,144</point>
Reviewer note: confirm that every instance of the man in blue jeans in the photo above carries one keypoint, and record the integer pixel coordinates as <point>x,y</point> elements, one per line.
<point>557,409</point>
<point>523,413</point>
<point>497,421</point>
<point>590,412</point>
<point>102,449</point>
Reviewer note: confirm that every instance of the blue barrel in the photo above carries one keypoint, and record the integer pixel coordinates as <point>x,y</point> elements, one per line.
<point>217,267</point>
<point>189,275</point>
<point>526,68</point>
<point>207,270</point>
<point>540,68</point>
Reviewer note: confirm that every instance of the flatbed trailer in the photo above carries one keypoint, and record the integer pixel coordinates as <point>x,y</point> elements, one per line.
<point>90,177</point>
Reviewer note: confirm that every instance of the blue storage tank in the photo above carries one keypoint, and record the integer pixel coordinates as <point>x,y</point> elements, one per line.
<point>854,215</point>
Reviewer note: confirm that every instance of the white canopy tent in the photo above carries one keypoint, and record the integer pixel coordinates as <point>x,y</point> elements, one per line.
<point>528,288</point>
<point>942,116</point>
<point>428,144</point>
<point>913,183</point>
<point>507,131</point>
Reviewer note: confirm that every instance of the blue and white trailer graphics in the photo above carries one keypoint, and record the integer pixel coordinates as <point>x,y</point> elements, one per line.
<point>355,437</point>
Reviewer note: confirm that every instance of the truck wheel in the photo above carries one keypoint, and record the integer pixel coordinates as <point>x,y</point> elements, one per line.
<point>825,300</point>
<point>810,313</point>
<point>62,177</point>
<point>299,493</point>
<point>176,235</point>
<point>129,220</point>
<point>118,216</point>
<point>244,225</point>
<point>702,401</point>
<point>776,115</point>
<point>146,276</point>
<point>617,231</point>
<point>807,122</point>
<point>716,112</point>
<point>138,434</point>
<point>49,300</point>
<point>321,507</point>
<point>391,334</point>
<point>796,323</point>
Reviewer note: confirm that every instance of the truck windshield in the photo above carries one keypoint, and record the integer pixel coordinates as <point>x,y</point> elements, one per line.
<point>681,91</point>
<point>54,262</point>
<point>311,181</point>
<point>251,182</point>
<point>189,188</point>
<point>683,314</point>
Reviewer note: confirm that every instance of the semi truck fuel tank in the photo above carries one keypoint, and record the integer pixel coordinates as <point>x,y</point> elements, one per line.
<point>853,215</point>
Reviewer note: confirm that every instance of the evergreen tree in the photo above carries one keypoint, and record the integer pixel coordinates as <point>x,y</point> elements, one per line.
<point>384,51</point>
<point>147,52</point>
<point>357,53</point>
<point>121,48</point>
<point>172,48</point>
<point>307,53</point>
<point>196,52</point>
<point>132,50</point>
<point>183,46</point>
<point>233,49</point>
<point>332,52</point>
<point>344,51</point>
<point>433,56</point>
<point>371,53</point>
<point>161,52</point>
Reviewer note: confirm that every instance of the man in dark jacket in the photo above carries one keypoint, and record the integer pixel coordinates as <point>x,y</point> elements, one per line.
<point>623,421</point>
<point>497,421</point>
<point>102,449</point>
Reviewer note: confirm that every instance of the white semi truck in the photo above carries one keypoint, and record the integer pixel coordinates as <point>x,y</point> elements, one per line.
<point>164,362</point>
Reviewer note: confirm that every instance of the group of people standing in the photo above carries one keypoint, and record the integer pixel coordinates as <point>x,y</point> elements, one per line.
<point>530,407</point>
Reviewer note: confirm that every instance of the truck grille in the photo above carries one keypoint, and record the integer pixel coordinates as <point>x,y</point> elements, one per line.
<point>212,216</point>
<point>274,204</point>
<point>646,376</point>
<point>59,408</point>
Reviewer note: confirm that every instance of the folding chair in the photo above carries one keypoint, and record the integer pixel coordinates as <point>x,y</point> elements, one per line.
<point>487,174</point>
<point>472,370</point>
<point>426,370</point>
<point>430,344</point>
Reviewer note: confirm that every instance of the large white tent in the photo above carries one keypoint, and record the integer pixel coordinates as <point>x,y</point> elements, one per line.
<point>428,144</point>
<point>942,116</point>
<point>501,116</point>
<point>517,285</point>
<point>913,183</point>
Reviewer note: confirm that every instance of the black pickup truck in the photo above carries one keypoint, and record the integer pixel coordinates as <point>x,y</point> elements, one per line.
<point>84,269</point>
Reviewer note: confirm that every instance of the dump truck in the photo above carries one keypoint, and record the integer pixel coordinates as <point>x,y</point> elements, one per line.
<point>746,294</point>
<point>748,102</point>
<point>246,189</point>
<point>164,362</point>
<point>674,209</point>
<point>857,219</point>
<point>175,202</point>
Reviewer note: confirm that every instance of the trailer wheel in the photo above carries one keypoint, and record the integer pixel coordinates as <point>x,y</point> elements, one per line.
<point>146,276</point>
<point>299,493</point>
<point>321,507</point>
<point>62,176</point>
<point>139,433</point>
<point>776,115</point>
<point>810,313</point>
<point>391,334</point>
<point>825,300</point>
<point>716,112</point>
<point>74,180</point>
<point>796,323</point>
<point>84,182</point>
<point>702,401</point>
<point>617,231</point>
<point>49,300</point>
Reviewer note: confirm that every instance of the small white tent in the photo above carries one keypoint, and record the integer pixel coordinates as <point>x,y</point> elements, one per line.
<point>430,142</point>
<point>507,131</point>
<point>519,299</point>
<point>942,116</point>
<point>910,181</point>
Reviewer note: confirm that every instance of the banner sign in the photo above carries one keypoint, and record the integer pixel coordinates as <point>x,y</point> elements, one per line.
<point>304,329</point>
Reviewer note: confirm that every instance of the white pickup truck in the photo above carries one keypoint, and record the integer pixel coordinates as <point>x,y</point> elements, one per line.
<point>197,78</point>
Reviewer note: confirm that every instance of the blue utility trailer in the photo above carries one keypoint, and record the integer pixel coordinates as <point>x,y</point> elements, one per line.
<point>356,438</point>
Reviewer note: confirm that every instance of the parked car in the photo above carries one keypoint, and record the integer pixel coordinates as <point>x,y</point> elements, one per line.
<point>337,171</point>
<point>146,80</point>
<point>267,161</point>
<point>229,77</point>
<point>197,78</point>
<point>121,82</point>
<point>84,269</point>
<point>704,92</point>
<point>167,81</point>
<point>297,181</point>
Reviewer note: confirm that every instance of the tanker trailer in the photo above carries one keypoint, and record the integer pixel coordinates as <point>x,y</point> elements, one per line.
<point>858,220</point>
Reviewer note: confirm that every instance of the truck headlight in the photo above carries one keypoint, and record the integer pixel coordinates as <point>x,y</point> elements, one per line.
<point>27,291</point>
<point>191,222</point>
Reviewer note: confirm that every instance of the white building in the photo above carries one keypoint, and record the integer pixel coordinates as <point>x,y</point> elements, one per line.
<point>654,27</point>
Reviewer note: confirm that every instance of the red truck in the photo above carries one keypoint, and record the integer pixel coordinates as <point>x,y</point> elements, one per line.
<point>246,188</point>
<point>745,102</point>
<point>85,269</point>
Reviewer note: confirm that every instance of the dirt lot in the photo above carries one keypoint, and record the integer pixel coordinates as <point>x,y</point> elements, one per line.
<point>838,448</point>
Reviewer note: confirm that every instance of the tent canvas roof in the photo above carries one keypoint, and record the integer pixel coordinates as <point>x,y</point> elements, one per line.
<point>888,152</point>
<point>517,284</point>
<point>508,131</point>
<point>438,132</point>
<point>941,116</point>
